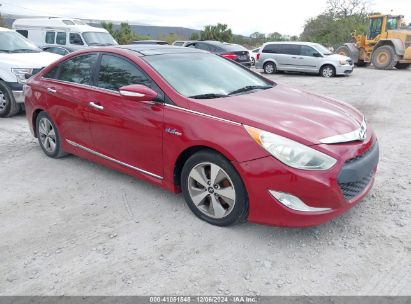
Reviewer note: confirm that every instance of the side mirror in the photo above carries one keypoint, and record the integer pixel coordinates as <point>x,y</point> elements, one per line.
<point>317,55</point>
<point>138,92</point>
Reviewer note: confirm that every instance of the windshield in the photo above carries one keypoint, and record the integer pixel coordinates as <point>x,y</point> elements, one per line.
<point>13,42</point>
<point>322,49</point>
<point>98,38</point>
<point>202,74</point>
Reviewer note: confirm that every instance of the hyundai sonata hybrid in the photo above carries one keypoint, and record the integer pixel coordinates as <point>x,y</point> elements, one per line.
<point>237,145</point>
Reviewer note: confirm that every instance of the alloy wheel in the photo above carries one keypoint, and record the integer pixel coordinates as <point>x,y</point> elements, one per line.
<point>3,101</point>
<point>211,190</point>
<point>47,135</point>
<point>269,68</point>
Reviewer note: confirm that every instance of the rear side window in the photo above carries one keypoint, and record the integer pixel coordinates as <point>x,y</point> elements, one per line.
<point>52,74</point>
<point>78,69</point>
<point>61,38</point>
<point>178,43</point>
<point>116,72</point>
<point>75,38</point>
<point>271,48</point>
<point>50,37</point>
<point>24,33</point>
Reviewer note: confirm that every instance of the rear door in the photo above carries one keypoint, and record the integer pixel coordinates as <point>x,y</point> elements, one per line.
<point>288,54</point>
<point>126,131</point>
<point>68,95</point>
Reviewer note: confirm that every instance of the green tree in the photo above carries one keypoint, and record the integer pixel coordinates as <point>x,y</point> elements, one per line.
<point>276,36</point>
<point>219,32</point>
<point>171,37</point>
<point>334,26</point>
<point>195,36</point>
<point>123,35</point>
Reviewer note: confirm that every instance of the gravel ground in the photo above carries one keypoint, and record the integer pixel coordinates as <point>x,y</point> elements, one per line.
<point>72,227</point>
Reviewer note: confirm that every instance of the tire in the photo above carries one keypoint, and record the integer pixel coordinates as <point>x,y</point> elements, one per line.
<point>327,71</point>
<point>384,58</point>
<point>402,66</point>
<point>270,68</point>
<point>8,106</point>
<point>344,50</point>
<point>48,136</point>
<point>252,61</point>
<point>222,202</point>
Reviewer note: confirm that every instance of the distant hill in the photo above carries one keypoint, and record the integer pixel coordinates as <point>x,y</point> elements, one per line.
<point>149,30</point>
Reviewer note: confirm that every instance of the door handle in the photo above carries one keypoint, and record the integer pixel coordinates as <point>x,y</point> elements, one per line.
<point>95,105</point>
<point>51,90</point>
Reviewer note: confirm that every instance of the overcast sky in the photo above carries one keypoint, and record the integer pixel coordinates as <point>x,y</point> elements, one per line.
<point>244,17</point>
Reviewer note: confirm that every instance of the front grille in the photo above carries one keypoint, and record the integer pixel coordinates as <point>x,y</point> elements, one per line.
<point>351,190</point>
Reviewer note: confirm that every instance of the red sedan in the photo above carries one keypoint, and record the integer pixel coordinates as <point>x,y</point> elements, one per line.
<point>239,146</point>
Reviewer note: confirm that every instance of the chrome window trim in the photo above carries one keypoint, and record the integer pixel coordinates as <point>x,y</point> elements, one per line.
<point>113,159</point>
<point>203,114</point>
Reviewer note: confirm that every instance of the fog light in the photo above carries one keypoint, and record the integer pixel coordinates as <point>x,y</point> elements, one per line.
<point>293,202</point>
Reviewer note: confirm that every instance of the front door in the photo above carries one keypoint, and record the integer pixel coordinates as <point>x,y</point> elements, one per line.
<point>123,130</point>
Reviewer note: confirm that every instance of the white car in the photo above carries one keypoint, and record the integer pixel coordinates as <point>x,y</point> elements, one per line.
<point>19,59</point>
<point>253,55</point>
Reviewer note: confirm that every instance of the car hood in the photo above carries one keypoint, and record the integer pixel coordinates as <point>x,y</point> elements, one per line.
<point>289,112</point>
<point>337,57</point>
<point>28,60</point>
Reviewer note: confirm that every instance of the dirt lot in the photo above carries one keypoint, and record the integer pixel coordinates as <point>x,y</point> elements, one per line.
<point>72,227</point>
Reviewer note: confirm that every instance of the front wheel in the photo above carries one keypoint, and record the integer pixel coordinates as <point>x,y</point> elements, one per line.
<point>48,136</point>
<point>8,106</point>
<point>213,189</point>
<point>327,71</point>
<point>384,58</point>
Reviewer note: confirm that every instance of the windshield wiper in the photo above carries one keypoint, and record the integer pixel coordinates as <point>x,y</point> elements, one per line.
<point>250,88</point>
<point>207,96</point>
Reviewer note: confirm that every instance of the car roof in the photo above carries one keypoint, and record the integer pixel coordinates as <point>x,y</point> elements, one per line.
<point>292,42</point>
<point>155,49</point>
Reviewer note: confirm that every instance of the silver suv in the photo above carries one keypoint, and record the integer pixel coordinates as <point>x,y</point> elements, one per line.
<point>304,57</point>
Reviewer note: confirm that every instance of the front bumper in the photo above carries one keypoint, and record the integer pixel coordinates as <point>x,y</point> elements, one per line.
<point>17,90</point>
<point>320,189</point>
<point>345,69</point>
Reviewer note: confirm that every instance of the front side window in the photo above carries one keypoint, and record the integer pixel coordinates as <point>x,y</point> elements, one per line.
<point>61,38</point>
<point>50,37</point>
<point>116,72</point>
<point>307,51</point>
<point>202,73</point>
<point>375,28</point>
<point>75,39</point>
<point>78,69</point>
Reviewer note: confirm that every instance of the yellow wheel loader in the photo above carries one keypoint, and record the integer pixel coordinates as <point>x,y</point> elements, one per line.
<point>386,44</point>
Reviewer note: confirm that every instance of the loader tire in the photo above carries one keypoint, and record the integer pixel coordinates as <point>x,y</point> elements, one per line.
<point>344,50</point>
<point>384,58</point>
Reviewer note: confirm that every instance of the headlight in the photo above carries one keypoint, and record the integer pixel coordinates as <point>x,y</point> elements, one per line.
<point>21,74</point>
<point>343,61</point>
<point>291,153</point>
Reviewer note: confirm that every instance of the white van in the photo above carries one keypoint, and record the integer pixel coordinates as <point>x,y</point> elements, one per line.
<point>62,31</point>
<point>19,59</point>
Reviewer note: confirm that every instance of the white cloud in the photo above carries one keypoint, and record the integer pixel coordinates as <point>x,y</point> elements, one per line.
<point>244,17</point>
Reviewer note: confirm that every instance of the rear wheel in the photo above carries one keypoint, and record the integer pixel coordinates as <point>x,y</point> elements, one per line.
<point>384,58</point>
<point>213,189</point>
<point>8,106</point>
<point>48,136</point>
<point>270,68</point>
<point>327,71</point>
<point>402,66</point>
